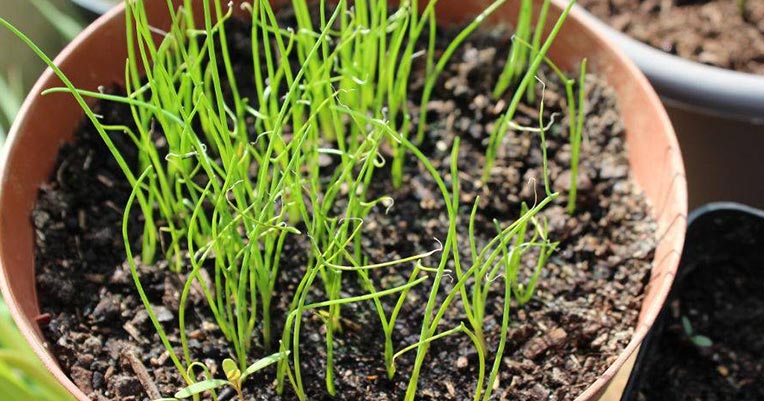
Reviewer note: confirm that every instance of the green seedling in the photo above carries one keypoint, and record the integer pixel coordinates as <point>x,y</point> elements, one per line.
<point>234,378</point>
<point>505,121</point>
<point>697,339</point>
<point>576,134</point>
<point>576,115</point>
<point>484,269</point>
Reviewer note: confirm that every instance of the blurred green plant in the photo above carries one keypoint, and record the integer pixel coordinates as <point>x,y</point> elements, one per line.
<point>22,376</point>
<point>11,88</point>
<point>67,25</point>
<point>10,102</point>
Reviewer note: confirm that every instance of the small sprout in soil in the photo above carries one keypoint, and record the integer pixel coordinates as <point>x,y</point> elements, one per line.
<point>697,339</point>
<point>234,378</point>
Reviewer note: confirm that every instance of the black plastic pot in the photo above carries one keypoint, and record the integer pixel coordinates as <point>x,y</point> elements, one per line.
<point>93,9</point>
<point>742,235</point>
<point>718,115</point>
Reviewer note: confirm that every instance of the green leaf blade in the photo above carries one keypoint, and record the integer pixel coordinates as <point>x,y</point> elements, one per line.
<point>200,387</point>
<point>702,341</point>
<point>265,362</point>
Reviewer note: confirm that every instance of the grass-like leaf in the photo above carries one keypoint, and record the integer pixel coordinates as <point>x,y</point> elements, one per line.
<point>200,387</point>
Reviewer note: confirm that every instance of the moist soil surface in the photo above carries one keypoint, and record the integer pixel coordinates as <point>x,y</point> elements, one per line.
<point>581,317</point>
<point>713,32</point>
<point>722,295</point>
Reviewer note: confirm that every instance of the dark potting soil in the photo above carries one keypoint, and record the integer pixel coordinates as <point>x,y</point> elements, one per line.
<point>581,317</point>
<point>712,32</point>
<point>722,296</point>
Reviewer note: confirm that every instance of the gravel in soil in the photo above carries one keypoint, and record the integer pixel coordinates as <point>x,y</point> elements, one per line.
<point>581,317</point>
<point>713,32</point>
<point>722,296</point>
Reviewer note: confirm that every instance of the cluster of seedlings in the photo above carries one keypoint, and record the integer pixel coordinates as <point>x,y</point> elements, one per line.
<point>238,175</point>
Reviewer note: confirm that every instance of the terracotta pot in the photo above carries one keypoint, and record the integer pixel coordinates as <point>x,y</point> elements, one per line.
<point>718,115</point>
<point>97,57</point>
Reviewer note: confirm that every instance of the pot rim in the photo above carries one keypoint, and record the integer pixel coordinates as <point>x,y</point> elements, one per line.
<point>689,84</point>
<point>96,7</point>
<point>716,206</point>
<point>28,327</point>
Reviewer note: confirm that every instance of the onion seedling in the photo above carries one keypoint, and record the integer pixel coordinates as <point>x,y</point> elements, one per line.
<point>501,127</point>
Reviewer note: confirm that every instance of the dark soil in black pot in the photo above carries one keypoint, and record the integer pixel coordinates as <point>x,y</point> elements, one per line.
<point>580,319</point>
<point>718,296</point>
<point>714,32</point>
